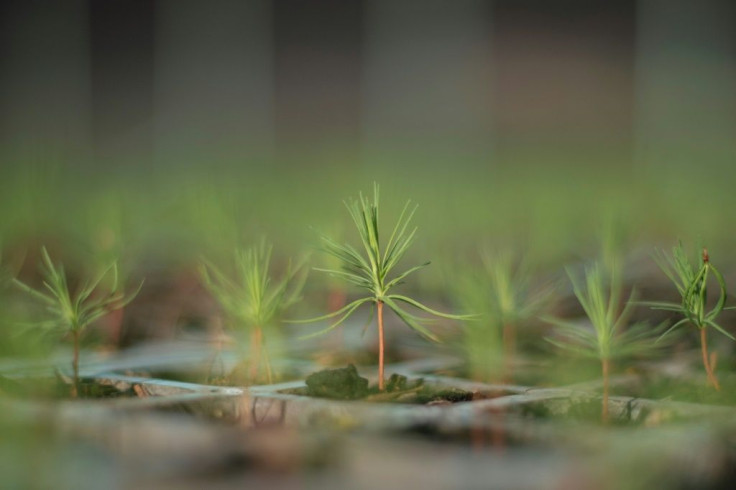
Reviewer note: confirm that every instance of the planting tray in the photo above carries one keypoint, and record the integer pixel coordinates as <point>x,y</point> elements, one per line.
<point>173,434</point>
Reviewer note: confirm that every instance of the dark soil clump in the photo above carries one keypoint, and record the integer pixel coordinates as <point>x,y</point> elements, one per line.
<point>346,384</point>
<point>339,384</point>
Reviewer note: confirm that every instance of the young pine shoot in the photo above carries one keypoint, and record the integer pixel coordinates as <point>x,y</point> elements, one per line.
<point>253,300</point>
<point>607,336</point>
<point>512,300</point>
<point>4,275</point>
<point>71,313</point>
<point>481,341</point>
<point>372,271</point>
<point>4,282</point>
<point>692,285</point>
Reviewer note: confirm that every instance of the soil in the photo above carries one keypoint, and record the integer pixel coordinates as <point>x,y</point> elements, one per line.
<point>346,384</point>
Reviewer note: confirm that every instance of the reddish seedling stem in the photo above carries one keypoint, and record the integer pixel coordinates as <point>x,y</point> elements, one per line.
<point>379,313</point>
<point>256,344</point>
<point>335,300</point>
<point>75,364</point>
<point>509,344</point>
<point>606,366</point>
<point>706,360</point>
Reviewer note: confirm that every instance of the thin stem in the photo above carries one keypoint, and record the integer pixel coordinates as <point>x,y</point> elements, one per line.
<point>75,364</point>
<point>216,355</point>
<point>509,348</point>
<point>256,341</point>
<point>267,362</point>
<point>605,365</point>
<point>380,345</point>
<point>706,360</point>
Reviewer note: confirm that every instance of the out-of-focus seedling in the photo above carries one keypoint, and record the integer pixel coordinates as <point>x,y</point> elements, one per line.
<point>71,313</point>
<point>481,343</point>
<point>512,301</point>
<point>606,336</point>
<point>692,285</point>
<point>4,275</point>
<point>252,300</point>
<point>502,294</point>
<point>370,272</point>
<point>4,282</point>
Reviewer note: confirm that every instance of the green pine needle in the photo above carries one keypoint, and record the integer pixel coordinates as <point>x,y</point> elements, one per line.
<point>692,285</point>
<point>372,268</point>
<point>610,337</point>
<point>251,297</point>
<point>74,312</point>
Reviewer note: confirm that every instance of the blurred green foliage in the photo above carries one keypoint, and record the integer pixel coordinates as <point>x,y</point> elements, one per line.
<point>253,301</point>
<point>164,219</point>
<point>176,216</point>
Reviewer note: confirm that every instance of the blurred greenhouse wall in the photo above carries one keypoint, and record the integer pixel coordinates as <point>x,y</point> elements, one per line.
<point>45,83</point>
<point>686,83</point>
<point>213,80</point>
<point>185,123</point>
<point>473,82</point>
<point>428,81</point>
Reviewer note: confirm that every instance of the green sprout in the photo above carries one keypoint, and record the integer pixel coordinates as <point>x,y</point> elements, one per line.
<point>371,271</point>
<point>4,275</point>
<point>481,341</point>
<point>253,300</point>
<point>502,292</point>
<point>513,301</point>
<point>71,313</point>
<point>692,285</point>
<point>610,336</point>
<point>4,282</point>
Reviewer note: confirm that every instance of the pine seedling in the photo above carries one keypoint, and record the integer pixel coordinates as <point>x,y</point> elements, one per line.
<point>481,341</point>
<point>607,336</point>
<point>512,300</point>
<point>4,275</point>
<point>252,300</point>
<point>371,270</point>
<point>4,282</point>
<point>71,313</point>
<point>692,285</point>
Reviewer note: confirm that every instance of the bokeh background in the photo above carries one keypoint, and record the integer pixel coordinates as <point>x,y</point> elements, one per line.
<point>159,132</point>
<point>167,129</point>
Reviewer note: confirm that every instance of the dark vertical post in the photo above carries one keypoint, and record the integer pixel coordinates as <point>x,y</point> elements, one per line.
<point>427,82</point>
<point>44,81</point>
<point>685,79</point>
<point>213,82</point>
<point>122,35</point>
<point>317,79</point>
<point>563,80</point>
